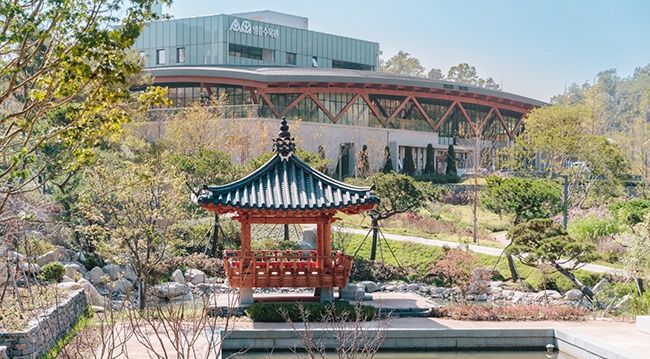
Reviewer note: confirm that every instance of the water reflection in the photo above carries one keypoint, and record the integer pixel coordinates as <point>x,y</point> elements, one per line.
<point>425,355</point>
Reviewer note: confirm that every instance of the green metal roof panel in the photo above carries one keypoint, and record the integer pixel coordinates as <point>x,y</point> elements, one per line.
<point>285,182</point>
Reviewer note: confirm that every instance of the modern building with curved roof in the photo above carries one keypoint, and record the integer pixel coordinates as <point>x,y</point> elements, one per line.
<point>341,102</point>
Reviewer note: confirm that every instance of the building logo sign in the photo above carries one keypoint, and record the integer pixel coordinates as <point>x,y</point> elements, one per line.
<point>246,28</point>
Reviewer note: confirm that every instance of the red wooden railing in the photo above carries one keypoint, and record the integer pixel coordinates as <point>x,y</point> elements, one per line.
<point>282,268</point>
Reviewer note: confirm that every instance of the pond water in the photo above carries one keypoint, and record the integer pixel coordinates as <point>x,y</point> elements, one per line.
<point>425,355</point>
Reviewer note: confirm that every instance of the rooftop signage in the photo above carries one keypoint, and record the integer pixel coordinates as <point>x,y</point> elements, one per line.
<point>245,27</point>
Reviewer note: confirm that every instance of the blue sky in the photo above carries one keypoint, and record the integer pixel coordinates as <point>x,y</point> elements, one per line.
<point>534,48</point>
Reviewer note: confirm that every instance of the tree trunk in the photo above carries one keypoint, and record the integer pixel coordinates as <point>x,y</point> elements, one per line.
<point>583,288</point>
<point>513,270</point>
<point>375,235</point>
<point>142,293</point>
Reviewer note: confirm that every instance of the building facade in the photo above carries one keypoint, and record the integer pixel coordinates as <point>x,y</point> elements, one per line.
<point>263,38</point>
<point>331,88</point>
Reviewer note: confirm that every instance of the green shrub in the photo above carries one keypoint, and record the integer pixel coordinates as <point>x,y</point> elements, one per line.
<point>52,272</point>
<point>592,228</point>
<point>438,178</point>
<point>631,212</point>
<point>280,312</point>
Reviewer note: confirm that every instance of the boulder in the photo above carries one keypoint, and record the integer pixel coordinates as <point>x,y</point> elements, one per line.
<point>170,290</point>
<point>97,309</point>
<point>550,294</point>
<point>370,286</point>
<point>494,290</point>
<point>94,299</point>
<point>46,258</point>
<point>391,288</point>
<point>352,292</point>
<point>412,287</point>
<point>67,279</point>
<point>97,276</point>
<point>81,257</point>
<point>402,287</point>
<point>121,286</point>
<point>69,286</point>
<point>72,269</point>
<point>437,291</point>
<point>129,273</point>
<point>194,276</point>
<point>600,285</point>
<point>178,277</point>
<point>573,294</point>
<point>113,271</point>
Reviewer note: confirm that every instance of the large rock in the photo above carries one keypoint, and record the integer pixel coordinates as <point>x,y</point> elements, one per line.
<point>129,274</point>
<point>370,286</point>
<point>353,292</point>
<point>121,286</point>
<point>573,294</point>
<point>113,271</point>
<point>600,285</point>
<point>413,287</point>
<point>67,279</point>
<point>550,294</point>
<point>69,286</point>
<point>72,269</point>
<point>94,299</point>
<point>170,290</point>
<point>178,277</point>
<point>46,258</point>
<point>97,276</point>
<point>58,254</point>
<point>194,276</point>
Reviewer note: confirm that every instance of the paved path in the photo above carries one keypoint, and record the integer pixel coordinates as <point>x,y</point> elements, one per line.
<point>478,249</point>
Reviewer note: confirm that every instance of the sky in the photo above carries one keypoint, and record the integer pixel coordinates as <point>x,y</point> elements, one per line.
<point>532,48</point>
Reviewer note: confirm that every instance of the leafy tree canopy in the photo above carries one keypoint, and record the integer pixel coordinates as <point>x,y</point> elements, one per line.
<point>526,199</point>
<point>65,53</point>
<point>404,64</point>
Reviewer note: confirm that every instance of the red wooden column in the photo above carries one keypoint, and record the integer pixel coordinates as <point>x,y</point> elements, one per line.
<point>246,287</point>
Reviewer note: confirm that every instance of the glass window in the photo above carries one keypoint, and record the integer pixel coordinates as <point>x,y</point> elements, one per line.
<point>291,58</point>
<point>180,55</point>
<point>268,55</point>
<point>248,52</point>
<point>314,61</point>
<point>337,64</point>
<point>160,57</point>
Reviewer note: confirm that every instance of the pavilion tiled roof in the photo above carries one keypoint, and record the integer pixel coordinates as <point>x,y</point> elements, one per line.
<point>286,183</point>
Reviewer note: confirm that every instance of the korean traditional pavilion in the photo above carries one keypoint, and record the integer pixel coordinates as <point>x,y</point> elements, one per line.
<point>286,190</point>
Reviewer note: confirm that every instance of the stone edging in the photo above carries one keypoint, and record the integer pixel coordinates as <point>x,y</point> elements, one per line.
<point>44,331</point>
<point>581,346</point>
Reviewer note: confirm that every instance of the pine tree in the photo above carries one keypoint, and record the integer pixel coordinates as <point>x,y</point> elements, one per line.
<point>388,162</point>
<point>451,162</point>
<point>408,167</point>
<point>430,168</point>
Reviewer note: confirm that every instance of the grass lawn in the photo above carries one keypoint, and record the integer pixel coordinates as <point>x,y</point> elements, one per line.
<point>421,255</point>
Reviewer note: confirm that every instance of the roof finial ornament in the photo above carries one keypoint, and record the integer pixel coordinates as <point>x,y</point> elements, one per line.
<point>284,145</point>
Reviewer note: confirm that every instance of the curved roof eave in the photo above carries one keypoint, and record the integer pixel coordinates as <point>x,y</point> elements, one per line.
<point>307,74</point>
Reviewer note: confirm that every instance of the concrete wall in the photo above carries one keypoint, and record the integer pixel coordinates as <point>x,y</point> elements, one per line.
<point>448,339</point>
<point>44,331</point>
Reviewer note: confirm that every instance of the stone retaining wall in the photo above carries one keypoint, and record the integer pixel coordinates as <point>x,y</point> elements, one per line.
<point>44,331</point>
<point>398,339</point>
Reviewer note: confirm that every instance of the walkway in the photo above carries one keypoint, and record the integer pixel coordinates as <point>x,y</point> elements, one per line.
<point>475,248</point>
